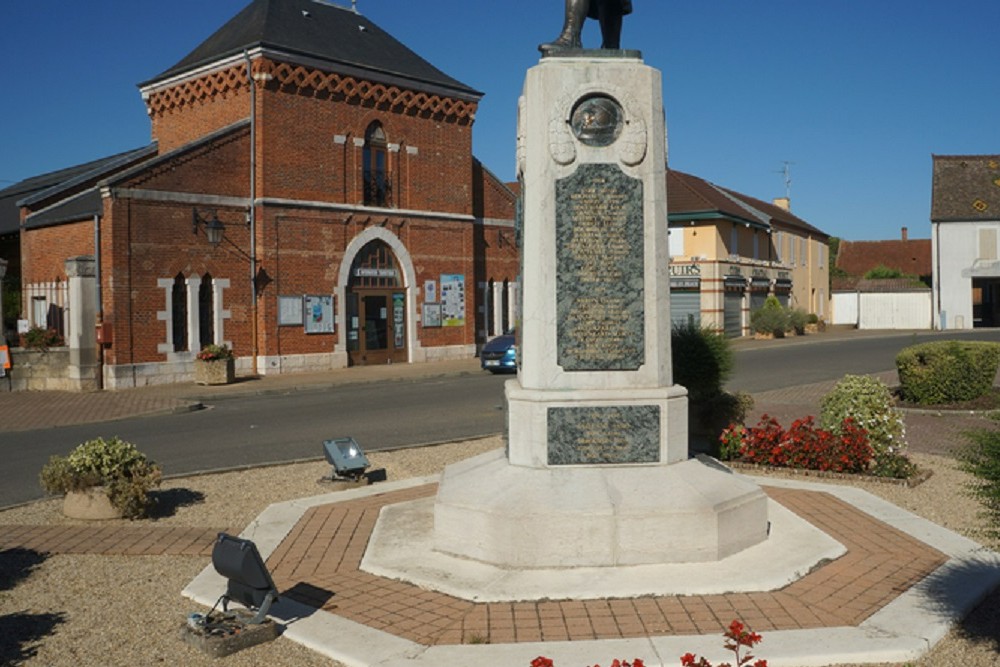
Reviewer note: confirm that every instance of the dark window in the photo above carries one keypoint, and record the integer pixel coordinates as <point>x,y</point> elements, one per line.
<point>378,186</point>
<point>206,319</point>
<point>179,315</point>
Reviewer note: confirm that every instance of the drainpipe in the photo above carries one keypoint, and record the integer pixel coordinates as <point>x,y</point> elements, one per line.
<point>252,214</point>
<point>100,302</point>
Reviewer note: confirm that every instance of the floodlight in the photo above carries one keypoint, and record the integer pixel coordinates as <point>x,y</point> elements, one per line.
<point>346,457</point>
<point>249,582</point>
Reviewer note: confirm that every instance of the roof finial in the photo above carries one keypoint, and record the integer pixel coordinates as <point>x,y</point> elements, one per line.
<point>354,6</point>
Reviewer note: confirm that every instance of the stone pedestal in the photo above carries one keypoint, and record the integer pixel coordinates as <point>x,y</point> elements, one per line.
<point>216,371</point>
<point>91,504</point>
<point>596,471</point>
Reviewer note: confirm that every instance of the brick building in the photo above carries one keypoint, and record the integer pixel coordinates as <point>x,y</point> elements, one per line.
<point>356,225</point>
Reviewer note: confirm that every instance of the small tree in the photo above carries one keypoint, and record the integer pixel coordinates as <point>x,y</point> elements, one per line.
<point>771,318</point>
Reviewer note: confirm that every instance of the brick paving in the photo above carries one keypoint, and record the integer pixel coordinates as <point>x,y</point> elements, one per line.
<point>318,563</point>
<point>110,540</point>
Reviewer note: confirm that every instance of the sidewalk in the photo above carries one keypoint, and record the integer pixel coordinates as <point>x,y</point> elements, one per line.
<point>28,410</point>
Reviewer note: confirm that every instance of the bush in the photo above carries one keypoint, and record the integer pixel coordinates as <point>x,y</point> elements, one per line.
<point>115,464</point>
<point>947,371</point>
<point>802,446</point>
<point>39,338</point>
<point>882,272</point>
<point>214,352</point>
<point>981,458</point>
<point>868,402</point>
<point>797,320</point>
<point>771,318</point>
<point>702,360</point>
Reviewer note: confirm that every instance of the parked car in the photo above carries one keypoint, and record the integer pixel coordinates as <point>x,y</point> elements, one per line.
<point>499,355</point>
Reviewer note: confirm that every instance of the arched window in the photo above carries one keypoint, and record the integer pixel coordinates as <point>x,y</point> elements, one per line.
<point>375,266</point>
<point>378,185</point>
<point>206,311</point>
<point>178,300</point>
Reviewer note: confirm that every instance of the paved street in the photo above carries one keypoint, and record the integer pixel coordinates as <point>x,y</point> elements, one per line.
<point>285,417</point>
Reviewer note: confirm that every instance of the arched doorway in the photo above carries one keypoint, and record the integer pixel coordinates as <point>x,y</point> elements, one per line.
<point>376,308</point>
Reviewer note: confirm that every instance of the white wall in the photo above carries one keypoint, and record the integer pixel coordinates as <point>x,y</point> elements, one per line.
<point>894,310</point>
<point>955,255</point>
<point>845,308</point>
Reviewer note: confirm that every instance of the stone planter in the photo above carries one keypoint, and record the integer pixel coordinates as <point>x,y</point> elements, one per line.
<point>217,371</point>
<point>90,504</point>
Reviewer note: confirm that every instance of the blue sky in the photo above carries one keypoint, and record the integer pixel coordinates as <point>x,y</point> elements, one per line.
<point>855,94</point>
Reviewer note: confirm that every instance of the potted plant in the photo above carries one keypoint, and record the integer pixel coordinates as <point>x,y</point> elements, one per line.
<point>215,364</point>
<point>102,479</point>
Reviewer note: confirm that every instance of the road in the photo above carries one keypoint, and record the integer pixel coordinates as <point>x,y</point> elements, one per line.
<point>797,362</point>
<point>277,428</point>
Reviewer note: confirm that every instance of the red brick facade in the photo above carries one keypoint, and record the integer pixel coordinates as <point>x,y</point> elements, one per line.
<point>446,216</point>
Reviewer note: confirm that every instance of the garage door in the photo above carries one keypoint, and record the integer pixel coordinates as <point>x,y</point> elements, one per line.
<point>685,302</point>
<point>733,314</point>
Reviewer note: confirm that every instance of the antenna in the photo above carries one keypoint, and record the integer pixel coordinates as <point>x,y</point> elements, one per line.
<point>786,171</point>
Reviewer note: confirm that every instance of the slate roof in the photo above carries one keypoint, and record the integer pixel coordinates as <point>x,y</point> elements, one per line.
<point>912,256</point>
<point>965,188</point>
<point>46,185</point>
<point>88,202</point>
<point>320,31</point>
<point>693,198</point>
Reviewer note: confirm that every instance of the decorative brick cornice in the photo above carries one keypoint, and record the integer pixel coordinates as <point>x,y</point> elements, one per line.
<point>187,93</point>
<point>307,80</point>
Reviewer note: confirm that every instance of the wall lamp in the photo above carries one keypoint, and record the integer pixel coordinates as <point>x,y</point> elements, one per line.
<point>214,229</point>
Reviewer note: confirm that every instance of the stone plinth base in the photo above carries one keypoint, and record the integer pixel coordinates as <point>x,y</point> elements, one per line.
<point>510,516</point>
<point>533,438</point>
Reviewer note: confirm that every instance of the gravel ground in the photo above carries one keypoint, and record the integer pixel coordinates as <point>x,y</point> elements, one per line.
<point>68,611</point>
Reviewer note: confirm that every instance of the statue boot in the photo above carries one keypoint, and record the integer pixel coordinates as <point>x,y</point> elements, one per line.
<point>569,38</point>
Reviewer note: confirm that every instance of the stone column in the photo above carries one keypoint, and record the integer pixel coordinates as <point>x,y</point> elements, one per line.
<point>82,338</point>
<point>596,471</point>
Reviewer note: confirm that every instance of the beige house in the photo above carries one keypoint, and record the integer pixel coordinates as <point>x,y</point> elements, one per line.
<point>729,251</point>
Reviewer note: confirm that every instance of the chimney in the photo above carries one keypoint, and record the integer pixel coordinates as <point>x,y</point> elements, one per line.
<point>906,233</point>
<point>783,203</point>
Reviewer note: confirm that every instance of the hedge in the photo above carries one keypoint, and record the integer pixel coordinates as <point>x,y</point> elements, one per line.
<point>947,371</point>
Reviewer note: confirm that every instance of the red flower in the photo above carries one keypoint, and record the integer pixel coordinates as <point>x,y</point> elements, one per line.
<point>541,661</point>
<point>686,659</point>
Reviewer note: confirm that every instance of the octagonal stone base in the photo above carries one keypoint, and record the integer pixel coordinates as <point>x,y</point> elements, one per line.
<point>517,517</point>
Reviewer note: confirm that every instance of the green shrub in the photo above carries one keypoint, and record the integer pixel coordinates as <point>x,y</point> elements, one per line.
<point>868,401</point>
<point>882,272</point>
<point>947,371</point>
<point>797,320</point>
<point>702,360</point>
<point>771,318</point>
<point>981,458</point>
<point>39,338</point>
<point>117,465</point>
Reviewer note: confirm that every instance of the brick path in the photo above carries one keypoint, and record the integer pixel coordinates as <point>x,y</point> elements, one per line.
<point>318,564</point>
<point>110,540</point>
